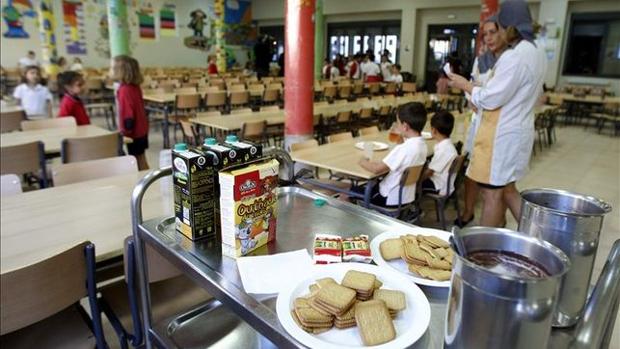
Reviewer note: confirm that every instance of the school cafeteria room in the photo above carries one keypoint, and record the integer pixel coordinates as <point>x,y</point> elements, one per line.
<point>310,174</point>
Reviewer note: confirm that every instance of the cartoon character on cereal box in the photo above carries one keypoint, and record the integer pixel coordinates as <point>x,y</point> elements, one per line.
<point>244,236</point>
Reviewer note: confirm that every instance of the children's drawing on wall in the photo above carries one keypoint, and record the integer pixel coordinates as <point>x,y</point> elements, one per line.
<point>167,20</point>
<point>198,23</point>
<point>238,27</point>
<point>12,15</point>
<point>75,36</point>
<point>102,43</point>
<point>146,22</point>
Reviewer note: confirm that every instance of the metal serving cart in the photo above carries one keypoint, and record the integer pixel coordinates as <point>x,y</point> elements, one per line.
<point>299,219</point>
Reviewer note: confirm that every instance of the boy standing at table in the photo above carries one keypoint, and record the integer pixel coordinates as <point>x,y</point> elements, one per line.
<point>410,121</point>
<point>435,177</point>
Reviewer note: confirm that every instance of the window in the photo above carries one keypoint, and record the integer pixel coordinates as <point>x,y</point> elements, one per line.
<point>593,47</point>
<point>350,38</point>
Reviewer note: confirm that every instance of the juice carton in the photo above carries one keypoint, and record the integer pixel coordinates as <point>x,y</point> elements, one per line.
<point>194,192</point>
<point>248,207</point>
<point>227,154</point>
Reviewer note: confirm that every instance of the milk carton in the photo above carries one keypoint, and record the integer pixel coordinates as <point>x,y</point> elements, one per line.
<point>248,207</point>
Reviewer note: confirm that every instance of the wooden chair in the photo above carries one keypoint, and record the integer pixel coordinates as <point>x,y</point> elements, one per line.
<point>93,169</point>
<point>390,88</point>
<point>309,144</point>
<point>339,137</point>
<point>358,89</point>
<point>191,135</point>
<point>28,125</point>
<point>190,84</point>
<point>442,200</point>
<point>372,130</point>
<point>11,121</point>
<point>91,148</point>
<point>185,107</point>
<point>408,87</point>
<point>25,159</point>
<point>374,88</point>
<point>366,117</point>
<point>167,87</point>
<point>340,123</point>
<point>239,98</point>
<point>271,96</point>
<point>93,90</point>
<point>254,131</point>
<point>241,111</point>
<point>40,303</point>
<point>11,185</point>
<point>409,178</point>
<point>215,100</point>
<point>270,108</point>
<point>329,92</point>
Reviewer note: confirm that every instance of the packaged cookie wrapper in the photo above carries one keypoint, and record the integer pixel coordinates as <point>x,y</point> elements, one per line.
<point>356,249</point>
<point>327,249</point>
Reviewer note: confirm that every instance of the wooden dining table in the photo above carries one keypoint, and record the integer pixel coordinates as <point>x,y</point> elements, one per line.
<point>40,224</point>
<point>51,137</point>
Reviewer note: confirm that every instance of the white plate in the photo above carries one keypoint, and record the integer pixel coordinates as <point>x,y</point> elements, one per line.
<point>410,324</point>
<point>400,265</point>
<point>426,135</point>
<point>376,146</point>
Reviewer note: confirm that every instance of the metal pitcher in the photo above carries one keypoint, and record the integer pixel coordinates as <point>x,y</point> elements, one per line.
<point>573,223</point>
<point>491,310</point>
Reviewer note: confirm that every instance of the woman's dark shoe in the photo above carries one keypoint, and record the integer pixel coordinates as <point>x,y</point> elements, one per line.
<point>461,223</point>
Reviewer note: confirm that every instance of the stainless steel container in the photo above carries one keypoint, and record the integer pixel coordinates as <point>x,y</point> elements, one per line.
<point>573,223</point>
<point>491,310</point>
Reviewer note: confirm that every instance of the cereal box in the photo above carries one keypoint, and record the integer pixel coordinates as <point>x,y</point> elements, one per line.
<point>248,207</point>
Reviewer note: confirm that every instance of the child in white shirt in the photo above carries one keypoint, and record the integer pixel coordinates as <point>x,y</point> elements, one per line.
<point>435,177</point>
<point>395,76</point>
<point>410,121</point>
<point>35,98</point>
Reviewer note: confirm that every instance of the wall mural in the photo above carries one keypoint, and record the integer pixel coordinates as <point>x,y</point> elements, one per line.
<point>12,15</point>
<point>75,36</point>
<point>238,27</point>
<point>198,23</point>
<point>167,20</point>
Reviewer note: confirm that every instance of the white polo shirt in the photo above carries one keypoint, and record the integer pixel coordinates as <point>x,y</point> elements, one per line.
<point>33,99</point>
<point>398,78</point>
<point>412,152</point>
<point>386,70</point>
<point>444,154</point>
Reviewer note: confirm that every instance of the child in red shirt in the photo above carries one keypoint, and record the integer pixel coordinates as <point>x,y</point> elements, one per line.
<point>212,68</point>
<point>71,86</point>
<point>133,122</point>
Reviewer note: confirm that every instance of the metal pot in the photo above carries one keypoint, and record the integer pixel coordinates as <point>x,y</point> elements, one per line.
<point>491,310</point>
<point>573,223</point>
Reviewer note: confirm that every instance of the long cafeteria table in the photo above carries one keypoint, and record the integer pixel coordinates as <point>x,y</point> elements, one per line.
<point>51,137</point>
<point>39,224</point>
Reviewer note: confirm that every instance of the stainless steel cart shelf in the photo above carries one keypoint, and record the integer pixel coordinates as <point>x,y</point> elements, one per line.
<point>298,220</point>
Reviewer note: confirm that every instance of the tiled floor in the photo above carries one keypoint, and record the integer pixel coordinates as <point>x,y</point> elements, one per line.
<point>581,161</point>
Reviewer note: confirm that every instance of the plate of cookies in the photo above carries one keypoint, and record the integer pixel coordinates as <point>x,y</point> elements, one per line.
<point>423,254</point>
<point>354,305</point>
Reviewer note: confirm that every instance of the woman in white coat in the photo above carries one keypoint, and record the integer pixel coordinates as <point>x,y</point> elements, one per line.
<point>482,71</point>
<point>503,144</point>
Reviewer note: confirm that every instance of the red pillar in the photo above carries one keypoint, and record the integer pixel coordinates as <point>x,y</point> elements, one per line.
<point>298,70</point>
<point>488,8</point>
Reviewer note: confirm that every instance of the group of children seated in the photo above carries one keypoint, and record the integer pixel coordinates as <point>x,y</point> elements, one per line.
<point>410,121</point>
<point>362,67</point>
<point>36,100</point>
